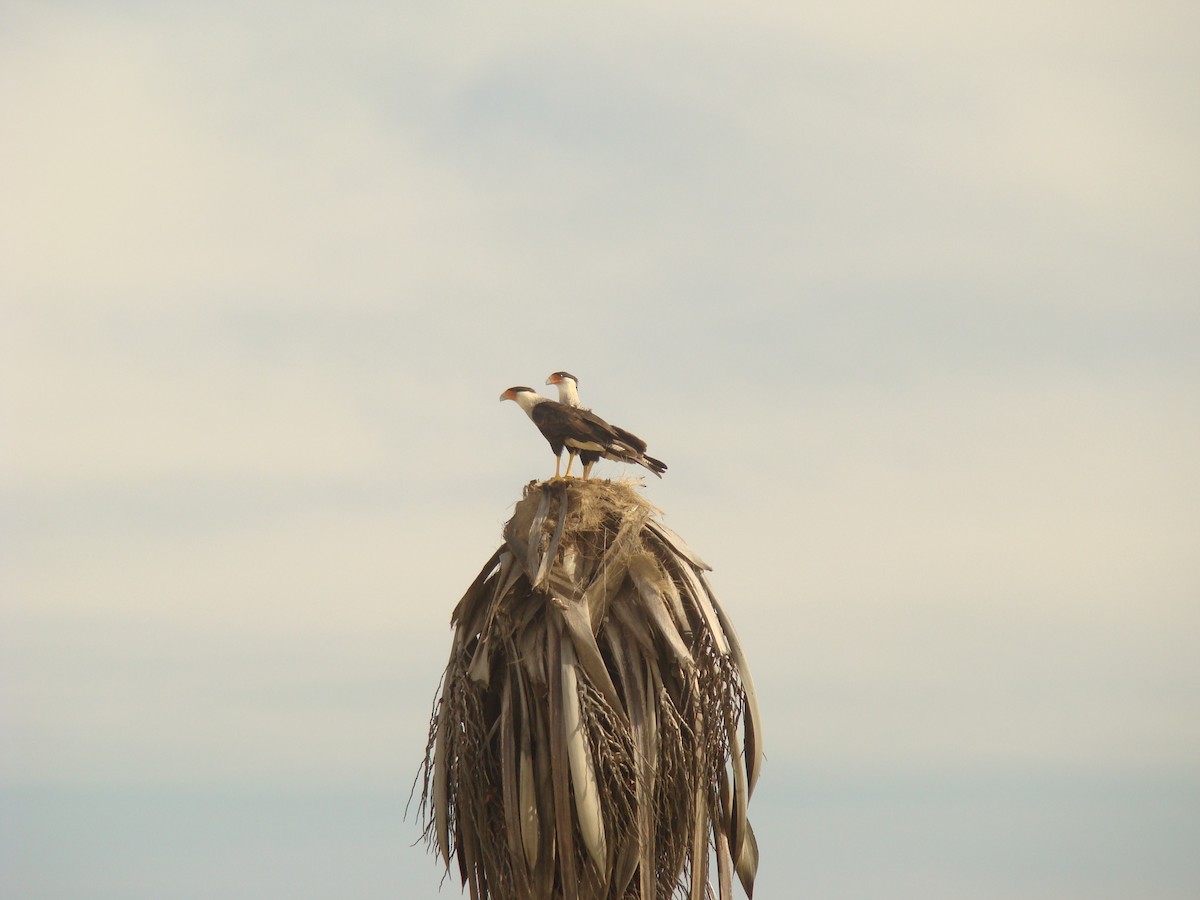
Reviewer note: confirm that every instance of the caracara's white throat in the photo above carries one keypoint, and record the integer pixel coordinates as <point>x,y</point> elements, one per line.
<point>568,388</point>
<point>524,397</point>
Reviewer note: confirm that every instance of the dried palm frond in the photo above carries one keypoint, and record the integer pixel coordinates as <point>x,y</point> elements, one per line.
<point>597,730</point>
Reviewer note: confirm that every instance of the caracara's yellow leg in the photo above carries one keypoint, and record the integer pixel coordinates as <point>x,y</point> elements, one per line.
<point>570,459</point>
<point>557,463</point>
<point>587,470</point>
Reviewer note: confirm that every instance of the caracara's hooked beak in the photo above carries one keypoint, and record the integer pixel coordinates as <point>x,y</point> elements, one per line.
<point>507,395</point>
<point>555,379</point>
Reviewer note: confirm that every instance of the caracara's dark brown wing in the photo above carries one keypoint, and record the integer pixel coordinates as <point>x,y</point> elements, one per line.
<point>630,439</point>
<point>564,425</point>
<point>582,431</point>
<point>589,431</point>
<point>623,446</point>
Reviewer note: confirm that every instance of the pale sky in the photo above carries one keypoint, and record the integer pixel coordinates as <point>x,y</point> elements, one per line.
<point>906,295</point>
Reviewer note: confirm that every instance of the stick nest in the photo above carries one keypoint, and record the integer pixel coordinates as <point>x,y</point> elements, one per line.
<point>597,732</point>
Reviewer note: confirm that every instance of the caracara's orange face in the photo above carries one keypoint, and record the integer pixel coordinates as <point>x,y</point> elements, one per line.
<point>513,392</point>
<point>555,379</point>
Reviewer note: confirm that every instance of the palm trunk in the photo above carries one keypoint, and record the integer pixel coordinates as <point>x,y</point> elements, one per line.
<point>597,730</point>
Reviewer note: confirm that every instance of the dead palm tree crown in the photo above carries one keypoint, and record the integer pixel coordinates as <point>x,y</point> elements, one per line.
<point>597,731</point>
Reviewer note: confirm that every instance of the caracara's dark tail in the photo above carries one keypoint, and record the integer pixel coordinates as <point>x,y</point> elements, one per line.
<point>657,466</point>
<point>620,453</point>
